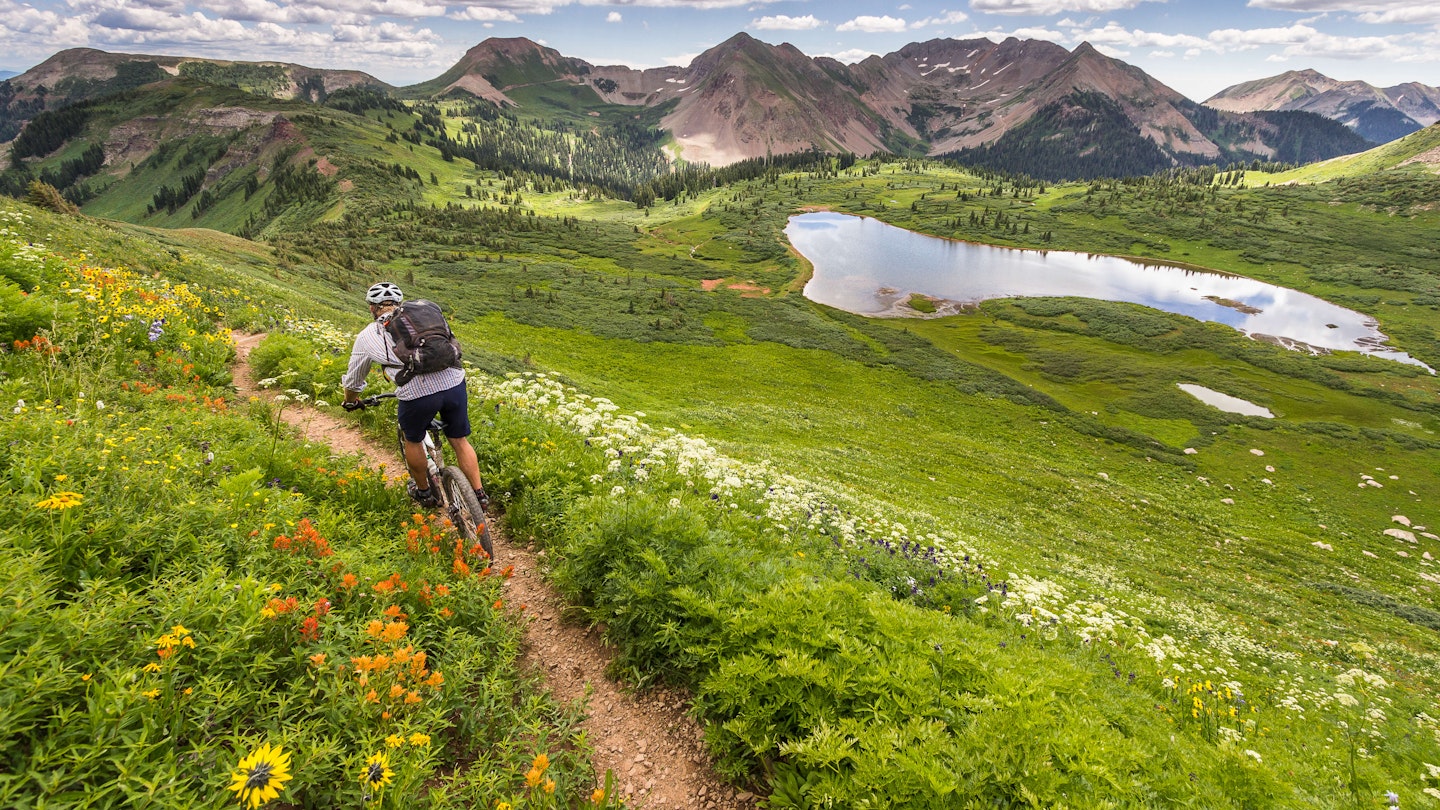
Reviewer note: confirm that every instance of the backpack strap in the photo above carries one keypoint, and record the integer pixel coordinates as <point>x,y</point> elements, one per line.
<point>380,328</point>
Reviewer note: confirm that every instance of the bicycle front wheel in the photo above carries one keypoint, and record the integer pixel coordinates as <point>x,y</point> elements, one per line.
<point>463,509</point>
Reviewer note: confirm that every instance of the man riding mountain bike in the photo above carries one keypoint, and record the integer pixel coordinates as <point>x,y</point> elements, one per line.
<point>421,397</point>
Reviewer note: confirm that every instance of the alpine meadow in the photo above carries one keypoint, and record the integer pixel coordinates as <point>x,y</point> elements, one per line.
<point>980,555</point>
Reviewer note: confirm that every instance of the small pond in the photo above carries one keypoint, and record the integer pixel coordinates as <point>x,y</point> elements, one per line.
<point>1225,402</point>
<point>865,266</point>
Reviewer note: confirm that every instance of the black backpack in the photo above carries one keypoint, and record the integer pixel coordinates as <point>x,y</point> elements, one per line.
<point>424,343</point>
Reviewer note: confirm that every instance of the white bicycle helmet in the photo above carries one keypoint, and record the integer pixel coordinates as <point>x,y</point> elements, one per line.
<point>384,293</point>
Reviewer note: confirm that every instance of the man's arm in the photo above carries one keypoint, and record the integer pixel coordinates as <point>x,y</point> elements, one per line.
<point>354,380</point>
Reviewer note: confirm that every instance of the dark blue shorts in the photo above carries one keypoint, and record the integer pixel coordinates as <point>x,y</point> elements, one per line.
<point>452,405</point>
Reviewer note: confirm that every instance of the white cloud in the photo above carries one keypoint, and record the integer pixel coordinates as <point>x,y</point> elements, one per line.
<point>1048,7</point>
<point>485,15</point>
<point>1326,46</point>
<point>698,5</point>
<point>682,60</point>
<point>1405,15</point>
<point>1307,6</point>
<point>1026,33</point>
<point>780,22</point>
<point>851,56</point>
<point>944,18</point>
<point>19,19</point>
<point>1236,39</point>
<point>613,17</point>
<point>1376,12</point>
<point>405,8</point>
<point>266,11</point>
<point>873,25</point>
<point>1118,36</point>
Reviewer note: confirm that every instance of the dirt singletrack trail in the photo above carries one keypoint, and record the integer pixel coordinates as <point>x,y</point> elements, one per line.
<point>654,748</point>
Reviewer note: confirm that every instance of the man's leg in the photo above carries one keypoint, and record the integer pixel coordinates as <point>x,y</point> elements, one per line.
<point>466,460</point>
<point>415,461</point>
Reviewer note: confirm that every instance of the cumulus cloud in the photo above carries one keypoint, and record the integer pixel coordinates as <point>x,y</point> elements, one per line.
<point>613,17</point>
<point>15,18</point>
<point>1118,36</point>
<point>1308,6</point>
<point>780,22</point>
<point>1376,12</point>
<point>850,56</point>
<point>1327,46</point>
<point>485,15</point>
<point>944,18</point>
<point>699,5</point>
<point>1293,42</point>
<point>1048,7</point>
<point>266,11</point>
<point>1237,39</point>
<point>873,25</point>
<point>1405,15</point>
<point>1033,32</point>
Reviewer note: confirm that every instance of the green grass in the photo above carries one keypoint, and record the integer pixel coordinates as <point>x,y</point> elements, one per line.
<point>1044,435</point>
<point>277,594</point>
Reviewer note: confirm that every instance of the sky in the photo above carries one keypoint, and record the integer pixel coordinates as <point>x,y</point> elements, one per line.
<point>1197,47</point>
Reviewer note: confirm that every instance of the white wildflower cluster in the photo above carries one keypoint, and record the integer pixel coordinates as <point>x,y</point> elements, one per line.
<point>10,223</point>
<point>1427,723</point>
<point>788,504</point>
<point>323,334</point>
<point>1361,678</point>
<point>1211,647</point>
<point>21,251</point>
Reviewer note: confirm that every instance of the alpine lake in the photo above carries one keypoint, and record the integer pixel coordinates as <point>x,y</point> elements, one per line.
<point>867,267</point>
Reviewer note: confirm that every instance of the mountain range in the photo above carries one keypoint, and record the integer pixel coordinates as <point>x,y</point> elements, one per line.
<point>1378,114</point>
<point>1027,106</point>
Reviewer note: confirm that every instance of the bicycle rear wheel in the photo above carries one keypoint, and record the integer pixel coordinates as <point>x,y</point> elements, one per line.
<point>464,510</point>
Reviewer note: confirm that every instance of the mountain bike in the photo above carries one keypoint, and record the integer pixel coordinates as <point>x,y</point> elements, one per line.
<point>457,497</point>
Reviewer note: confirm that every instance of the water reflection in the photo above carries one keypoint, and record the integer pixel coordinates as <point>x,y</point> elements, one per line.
<point>1225,402</point>
<point>867,267</point>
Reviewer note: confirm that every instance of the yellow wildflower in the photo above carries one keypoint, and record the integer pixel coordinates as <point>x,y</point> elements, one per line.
<point>261,775</point>
<point>60,500</point>
<point>377,773</point>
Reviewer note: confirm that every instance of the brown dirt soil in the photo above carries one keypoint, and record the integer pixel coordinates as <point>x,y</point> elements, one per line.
<point>745,288</point>
<point>655,749</point>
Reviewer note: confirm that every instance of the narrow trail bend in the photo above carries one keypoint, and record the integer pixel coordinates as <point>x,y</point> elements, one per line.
<point>654,748</point>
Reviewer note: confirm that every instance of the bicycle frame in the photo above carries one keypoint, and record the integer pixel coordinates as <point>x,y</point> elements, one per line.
<point>457,498</point>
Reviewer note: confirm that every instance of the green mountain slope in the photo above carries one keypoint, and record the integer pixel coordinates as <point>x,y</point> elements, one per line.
<point>924,562</point>
<point>1419,151</point>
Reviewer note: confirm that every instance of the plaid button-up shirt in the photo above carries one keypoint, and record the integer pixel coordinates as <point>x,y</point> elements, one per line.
<point>375,345</point>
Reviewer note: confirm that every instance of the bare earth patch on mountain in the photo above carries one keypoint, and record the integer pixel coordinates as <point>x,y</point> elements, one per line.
<point>655,749</point>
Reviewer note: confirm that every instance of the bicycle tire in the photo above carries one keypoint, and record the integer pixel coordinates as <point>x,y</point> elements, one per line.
<point>464,509</point>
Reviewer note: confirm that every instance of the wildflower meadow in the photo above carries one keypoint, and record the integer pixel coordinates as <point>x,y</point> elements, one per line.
<point>193,614</point>
<point>204,615</point>
<point>859,659</point>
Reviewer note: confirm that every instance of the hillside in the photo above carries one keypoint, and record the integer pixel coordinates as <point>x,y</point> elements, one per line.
<point>918,562</point>
<point>744,99</point>
<point>81,74</point>
<point>1418,152</point>
<point>1378,114</point>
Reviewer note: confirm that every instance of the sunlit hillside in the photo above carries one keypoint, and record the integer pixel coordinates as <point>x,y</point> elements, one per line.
<point>993,558</point>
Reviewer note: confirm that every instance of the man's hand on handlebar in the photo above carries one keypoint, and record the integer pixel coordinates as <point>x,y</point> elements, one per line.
<point>367,402</point>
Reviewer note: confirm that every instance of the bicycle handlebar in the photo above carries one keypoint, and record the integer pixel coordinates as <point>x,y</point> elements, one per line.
<point>367,402</point>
